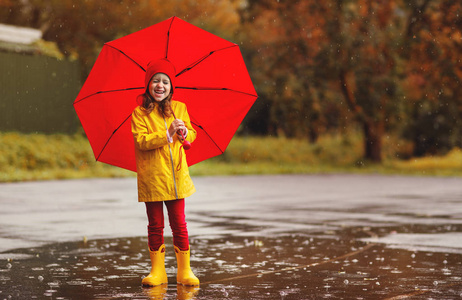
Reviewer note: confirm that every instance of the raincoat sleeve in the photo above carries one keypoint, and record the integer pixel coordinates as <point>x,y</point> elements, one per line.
<point>143,139</point>
<point>192,134</point>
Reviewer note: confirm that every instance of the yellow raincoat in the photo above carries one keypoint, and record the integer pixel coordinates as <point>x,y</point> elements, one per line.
<point>162,169</point>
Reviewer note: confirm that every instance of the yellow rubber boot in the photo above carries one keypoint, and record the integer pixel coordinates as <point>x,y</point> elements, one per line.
<point>184,274</point>
<point>158,274</point>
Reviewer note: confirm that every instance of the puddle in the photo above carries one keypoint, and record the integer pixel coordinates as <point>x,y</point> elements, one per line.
<point>441,242</point>
<point>291,266</point>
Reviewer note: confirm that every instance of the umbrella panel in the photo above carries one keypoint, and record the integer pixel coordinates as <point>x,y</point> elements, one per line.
<point>111,71</point>
<point>175,39</point>
<point>121,155</point>
<point>103,119</point>
<point>223,69</point>
<point>189,44</point>
<point>214,133</point>
<point>145,45</point>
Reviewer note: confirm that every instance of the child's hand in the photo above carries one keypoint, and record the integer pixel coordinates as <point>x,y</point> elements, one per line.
<point>177,127</point>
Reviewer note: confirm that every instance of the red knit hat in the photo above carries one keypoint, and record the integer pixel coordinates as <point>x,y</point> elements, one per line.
<point>162,65</point>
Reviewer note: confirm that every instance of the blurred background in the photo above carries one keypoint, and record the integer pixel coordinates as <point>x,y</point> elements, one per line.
<point>343,85</point>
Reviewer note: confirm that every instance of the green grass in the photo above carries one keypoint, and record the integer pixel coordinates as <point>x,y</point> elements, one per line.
<point>45,157</point>
<point>331,154</point>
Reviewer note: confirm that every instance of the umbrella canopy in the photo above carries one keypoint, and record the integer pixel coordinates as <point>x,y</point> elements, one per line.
<point>211,79</point>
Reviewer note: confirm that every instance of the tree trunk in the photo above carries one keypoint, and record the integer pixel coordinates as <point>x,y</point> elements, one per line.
<point>313,136</point>
<point>373,132</point>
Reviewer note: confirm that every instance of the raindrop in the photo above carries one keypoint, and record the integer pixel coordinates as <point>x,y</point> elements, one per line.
<point>346,281</point>
<point>8,266</point>
<point>435,283</point>
<point>40,278</point>
<point>53,284</point>
<point>37,269</point>
<point>258,243</point>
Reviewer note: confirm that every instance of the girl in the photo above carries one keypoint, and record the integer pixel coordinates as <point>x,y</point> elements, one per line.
<point>162,170</point>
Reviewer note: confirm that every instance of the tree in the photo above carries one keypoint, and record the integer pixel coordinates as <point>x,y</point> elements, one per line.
<point>283,37</point>
<point>365,63</point>
<point>433,75</point>
<point>392,65</point>
<point>307,47</point>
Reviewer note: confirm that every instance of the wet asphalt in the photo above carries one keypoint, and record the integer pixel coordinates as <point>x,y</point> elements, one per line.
<point>252,237</point>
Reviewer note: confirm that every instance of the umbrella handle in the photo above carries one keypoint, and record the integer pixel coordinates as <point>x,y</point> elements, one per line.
<point>186,144</point>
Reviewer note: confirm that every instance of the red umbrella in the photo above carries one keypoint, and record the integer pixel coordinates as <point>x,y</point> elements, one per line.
<point>211,79</point>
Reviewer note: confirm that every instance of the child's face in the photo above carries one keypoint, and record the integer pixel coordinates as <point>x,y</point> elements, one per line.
<point>160,87</point>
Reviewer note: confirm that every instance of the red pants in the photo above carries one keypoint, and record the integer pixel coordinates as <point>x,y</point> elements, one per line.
<point>176,217</point>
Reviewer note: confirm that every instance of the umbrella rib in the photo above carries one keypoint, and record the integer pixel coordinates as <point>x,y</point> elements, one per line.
<point>205,131</point>
<point>108,91</point>
<point>126,56</point>
<point>168,37</point>
<point>107,142</point>
<point>213,89</point>
<point>203,58</point>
